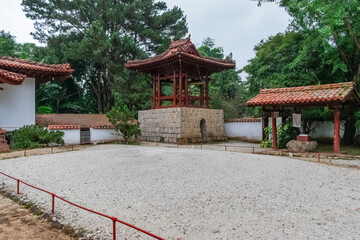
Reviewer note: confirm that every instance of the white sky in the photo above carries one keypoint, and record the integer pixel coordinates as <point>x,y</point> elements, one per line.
<point>236,25</point>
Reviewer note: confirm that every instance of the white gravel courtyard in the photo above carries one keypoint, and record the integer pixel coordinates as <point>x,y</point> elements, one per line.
<point>195,194</point>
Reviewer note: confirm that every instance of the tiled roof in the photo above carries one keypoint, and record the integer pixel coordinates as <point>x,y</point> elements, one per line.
<point>316,95</point>
<point>11,78</point>
<point>41,71</point>
<point>82,120</point>
<point>178,50</point>
<point>229,120</point>
<point>63,127</point>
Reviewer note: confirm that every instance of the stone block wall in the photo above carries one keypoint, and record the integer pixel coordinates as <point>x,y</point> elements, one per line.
<point>182,125</point>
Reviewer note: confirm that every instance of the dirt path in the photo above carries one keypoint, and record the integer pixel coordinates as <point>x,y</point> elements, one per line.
<point>17,223</point>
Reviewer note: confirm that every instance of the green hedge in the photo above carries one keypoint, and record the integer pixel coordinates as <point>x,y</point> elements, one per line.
<point>34,136</point>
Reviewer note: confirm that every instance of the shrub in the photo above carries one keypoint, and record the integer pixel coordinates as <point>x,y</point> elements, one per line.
<point>34,136</point>
<point>266,143</point>
<point>124,122</point>
<point>44,109</point>
<point>285,133</point>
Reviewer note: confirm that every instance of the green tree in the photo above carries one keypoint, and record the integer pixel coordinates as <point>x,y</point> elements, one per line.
<point>226,88</point>
<point>124,122</point>
<point>278,63</point>
<point>104,34</point>
<point>336,25</point>
<point>7,44</point>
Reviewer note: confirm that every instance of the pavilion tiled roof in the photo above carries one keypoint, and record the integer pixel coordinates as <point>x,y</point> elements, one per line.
<point>98,121</point>
<point>18,68</point>
<point>317,95</point>
<point>184,49</point>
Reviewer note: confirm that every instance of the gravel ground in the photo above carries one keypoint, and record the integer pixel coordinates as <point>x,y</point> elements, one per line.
<point>193,194</point>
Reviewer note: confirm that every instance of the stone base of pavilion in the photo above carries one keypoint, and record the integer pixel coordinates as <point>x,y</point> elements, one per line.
<point>182,125</point>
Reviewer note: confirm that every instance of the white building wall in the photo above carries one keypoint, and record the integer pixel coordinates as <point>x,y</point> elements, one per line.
<point>325,130</point>
<point>17,105</point>
<point>71,136</point>
<point>249,131</point>
<point>103,135</point>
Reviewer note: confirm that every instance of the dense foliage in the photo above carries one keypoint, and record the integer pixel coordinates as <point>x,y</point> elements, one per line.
<point>124,122</point>
<point>321,45</point>
<point>226,88</point>
<point>98,36</point>
<point>34,136</point>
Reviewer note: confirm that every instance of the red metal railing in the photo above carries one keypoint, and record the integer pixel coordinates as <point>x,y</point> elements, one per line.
<point>252,149</point>
<point>53,195</point>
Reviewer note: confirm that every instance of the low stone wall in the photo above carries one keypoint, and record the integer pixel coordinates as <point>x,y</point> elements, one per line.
<point>182,125</point>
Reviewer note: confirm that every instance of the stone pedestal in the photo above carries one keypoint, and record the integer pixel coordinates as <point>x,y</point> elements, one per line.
<point>301,146</point>
<point>182,125</point>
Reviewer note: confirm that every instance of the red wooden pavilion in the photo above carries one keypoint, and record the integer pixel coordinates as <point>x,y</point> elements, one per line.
<point>333,96</point>
<point>181,66</point>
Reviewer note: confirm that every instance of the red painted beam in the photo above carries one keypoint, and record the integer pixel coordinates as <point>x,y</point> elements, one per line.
<point>274,131</point>
<point>337,122</point>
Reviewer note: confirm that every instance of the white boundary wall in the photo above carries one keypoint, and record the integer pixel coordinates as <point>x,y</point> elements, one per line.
<point>325,130</point>
<point>103,135</point>
<point>17,105</point>
<point>244,130</point>
<point>250,130</point>
<point>71,136</point>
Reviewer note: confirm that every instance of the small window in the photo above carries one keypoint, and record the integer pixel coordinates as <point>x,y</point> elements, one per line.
<point>84,135</point>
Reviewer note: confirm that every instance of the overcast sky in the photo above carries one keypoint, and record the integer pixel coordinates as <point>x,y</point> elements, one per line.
<point>236,25</point>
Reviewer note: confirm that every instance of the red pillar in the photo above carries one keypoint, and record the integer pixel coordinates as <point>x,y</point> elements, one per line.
<point>174,89</point>
<point>202,95</point>
<point>274,131</point>
<point>154,92</point>
<point>207,92</point>
<point>180,88</point>
<point>186,90</point>
<point>337,121</point>
<point>159,90</point>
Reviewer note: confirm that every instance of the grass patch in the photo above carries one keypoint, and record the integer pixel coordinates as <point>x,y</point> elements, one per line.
<point>27,206</point>
<point>38,213</point>
<point>328,148</point>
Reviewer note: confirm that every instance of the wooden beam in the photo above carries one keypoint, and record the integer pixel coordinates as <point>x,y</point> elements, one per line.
<point>159,90</point>
<point>186,90</point>
<point>274,131</point>
<point>154,92</point>
<point>202,95</point>
<point>180,88</point>
<point>207,92</point>
<point>174,88</point>
<point>337,123</point>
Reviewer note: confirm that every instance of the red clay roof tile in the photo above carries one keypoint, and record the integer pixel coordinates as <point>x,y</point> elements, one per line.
<point>35,69</point>
<point>179,49</point>
<point>82,120</point>
<point>11,78</point>
<point>305,95</point>
<point>63,127</point>
<point>229,120</point>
